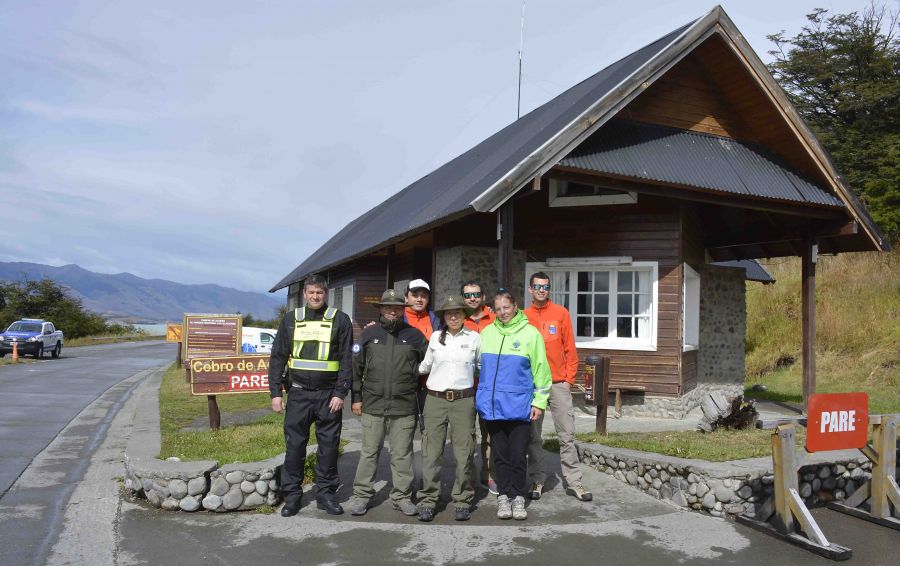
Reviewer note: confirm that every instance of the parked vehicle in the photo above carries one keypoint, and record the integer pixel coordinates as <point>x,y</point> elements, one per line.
<point>32,336</point>
<point>257,340</point>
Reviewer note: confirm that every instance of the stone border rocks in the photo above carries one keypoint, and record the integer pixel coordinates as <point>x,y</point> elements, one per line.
<point>727,488</point>
<point>190,486</point>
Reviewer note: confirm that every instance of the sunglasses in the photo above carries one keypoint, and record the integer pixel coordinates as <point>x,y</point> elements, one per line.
<point>474,295</point>
<point>539,287</point>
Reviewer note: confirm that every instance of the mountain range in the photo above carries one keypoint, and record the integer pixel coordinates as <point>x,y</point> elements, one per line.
<point>124,296</point>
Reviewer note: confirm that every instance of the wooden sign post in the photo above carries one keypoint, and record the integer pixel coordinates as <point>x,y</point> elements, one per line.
<point>227,376</point>
<point>835,422</point>
<point>211,335</point>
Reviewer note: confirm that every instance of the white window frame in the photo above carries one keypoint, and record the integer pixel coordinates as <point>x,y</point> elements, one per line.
<point>347,300</point>
<point>574,265</point>
<point>690,309</point>
<point>626,197</point>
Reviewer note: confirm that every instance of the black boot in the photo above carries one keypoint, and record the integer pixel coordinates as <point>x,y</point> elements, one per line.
<point>329,505</point>
<point>291,506</point>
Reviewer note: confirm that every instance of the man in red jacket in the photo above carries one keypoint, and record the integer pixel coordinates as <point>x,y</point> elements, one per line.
<point>555,325</point>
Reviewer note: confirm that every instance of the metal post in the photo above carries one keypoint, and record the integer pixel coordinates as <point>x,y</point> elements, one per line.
<point>214,414</point>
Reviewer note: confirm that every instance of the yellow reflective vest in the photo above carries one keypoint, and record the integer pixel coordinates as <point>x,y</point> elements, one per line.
<point>313,331</point>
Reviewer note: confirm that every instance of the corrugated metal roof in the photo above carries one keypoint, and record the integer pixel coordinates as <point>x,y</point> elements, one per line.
<point>755,271</point>
<point>450,189</point>
<point>670,155</point>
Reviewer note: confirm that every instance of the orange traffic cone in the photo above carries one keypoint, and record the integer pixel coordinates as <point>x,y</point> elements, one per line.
<point>15,352</point>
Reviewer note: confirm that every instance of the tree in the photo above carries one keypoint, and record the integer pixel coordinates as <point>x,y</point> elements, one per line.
<point>842,72</point>
<point>49,300</point>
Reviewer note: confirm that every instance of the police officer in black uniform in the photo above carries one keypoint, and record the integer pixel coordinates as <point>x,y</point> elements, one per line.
<point>315,343</point>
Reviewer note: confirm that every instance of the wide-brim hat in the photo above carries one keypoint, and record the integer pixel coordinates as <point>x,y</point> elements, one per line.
<point>391,298</point>
<point>453,302</point>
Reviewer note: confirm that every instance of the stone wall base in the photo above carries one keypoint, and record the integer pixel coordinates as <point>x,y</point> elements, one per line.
<point>723,489</point>
<point>674,407</point>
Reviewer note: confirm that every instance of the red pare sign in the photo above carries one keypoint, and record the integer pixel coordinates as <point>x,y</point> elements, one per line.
<point>837,421</point>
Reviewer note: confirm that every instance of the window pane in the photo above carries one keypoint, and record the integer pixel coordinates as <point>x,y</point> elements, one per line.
<point>644,302</point>
<point>625,280</point>
<point>601,326</point>
<point>643,281</point>
<point>624,303</point>
<point>583,326</point>
<point>584,281</point>
<point>601,281</point>
<point>601,304</point>
<point>584,304</point>
<point>559,281</point>
<point>623,328</point>
<point>643,326</point>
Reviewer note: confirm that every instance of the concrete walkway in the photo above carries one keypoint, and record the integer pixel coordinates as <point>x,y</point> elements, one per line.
<point>621,526</point>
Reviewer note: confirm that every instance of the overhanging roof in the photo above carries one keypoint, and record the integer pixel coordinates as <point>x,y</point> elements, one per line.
<point>753,269</point>
<point>483,178</point>
<point>705,161</point>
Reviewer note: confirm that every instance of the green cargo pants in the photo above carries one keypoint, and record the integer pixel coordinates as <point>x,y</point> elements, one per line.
<point>399,432</point>
<point>459,415</point>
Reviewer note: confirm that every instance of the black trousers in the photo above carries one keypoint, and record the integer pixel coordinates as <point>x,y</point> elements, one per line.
<point>509,445</point>
<point>304,408</point>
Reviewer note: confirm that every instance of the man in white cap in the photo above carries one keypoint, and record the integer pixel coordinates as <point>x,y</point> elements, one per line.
<point>416,313</point>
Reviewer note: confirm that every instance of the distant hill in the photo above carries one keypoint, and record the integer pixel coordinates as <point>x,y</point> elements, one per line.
<point>124,296</point>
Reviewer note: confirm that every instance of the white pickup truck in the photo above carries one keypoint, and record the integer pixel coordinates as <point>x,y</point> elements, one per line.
<point>32,336</point>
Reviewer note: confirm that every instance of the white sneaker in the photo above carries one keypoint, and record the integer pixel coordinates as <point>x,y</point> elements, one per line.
<point>504,511</point>
<point>518,509</point>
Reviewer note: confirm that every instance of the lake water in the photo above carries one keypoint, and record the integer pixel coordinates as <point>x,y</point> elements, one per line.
<point>153,329</point>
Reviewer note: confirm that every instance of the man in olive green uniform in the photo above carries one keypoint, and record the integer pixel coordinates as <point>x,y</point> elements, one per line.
<point>385,384</point>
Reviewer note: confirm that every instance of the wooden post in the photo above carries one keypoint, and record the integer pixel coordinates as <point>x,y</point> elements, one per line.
<point>808,300</point>
<point>505,239</point>
<point>389,268</point>
<point>214,415</point>
<point>178,356</point>
<point>602,389</point>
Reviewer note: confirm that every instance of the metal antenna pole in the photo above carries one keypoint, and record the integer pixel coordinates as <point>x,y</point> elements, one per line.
<point>521,49</point>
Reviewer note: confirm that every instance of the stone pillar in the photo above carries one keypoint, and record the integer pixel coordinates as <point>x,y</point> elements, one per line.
<point>455,265</point>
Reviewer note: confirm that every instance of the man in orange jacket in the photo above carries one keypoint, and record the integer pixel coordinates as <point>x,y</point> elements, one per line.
<point>555,325</point>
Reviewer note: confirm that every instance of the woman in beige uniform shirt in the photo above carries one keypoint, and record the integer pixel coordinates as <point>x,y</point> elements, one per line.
<point>450,403</point>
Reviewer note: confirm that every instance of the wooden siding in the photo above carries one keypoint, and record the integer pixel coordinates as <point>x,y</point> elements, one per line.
<point>649,230</point>
<point>367,275</point>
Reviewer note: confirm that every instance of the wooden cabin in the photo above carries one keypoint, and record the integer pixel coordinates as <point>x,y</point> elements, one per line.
<point>645,192</point>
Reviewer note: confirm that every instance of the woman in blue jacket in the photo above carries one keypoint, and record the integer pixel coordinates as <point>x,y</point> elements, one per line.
<point>512,392</point>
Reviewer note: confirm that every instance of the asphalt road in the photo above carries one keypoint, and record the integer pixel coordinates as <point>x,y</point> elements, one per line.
<point>37,402</point>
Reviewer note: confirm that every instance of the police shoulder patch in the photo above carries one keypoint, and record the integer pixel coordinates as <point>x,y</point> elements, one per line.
<point>356,348</point>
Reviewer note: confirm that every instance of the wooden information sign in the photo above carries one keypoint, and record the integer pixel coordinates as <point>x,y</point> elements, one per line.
<point>229,375</point>
<point>173,332</point>
<point>837,421</point>
<point>209,335</point>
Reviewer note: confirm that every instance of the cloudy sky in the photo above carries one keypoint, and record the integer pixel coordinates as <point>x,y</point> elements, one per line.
<point>224,141</point>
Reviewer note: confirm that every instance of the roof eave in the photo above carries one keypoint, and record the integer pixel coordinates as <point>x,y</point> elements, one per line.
<point>589,121</point>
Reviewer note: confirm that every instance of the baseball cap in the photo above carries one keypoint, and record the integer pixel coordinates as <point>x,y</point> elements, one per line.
<point>418,284</point>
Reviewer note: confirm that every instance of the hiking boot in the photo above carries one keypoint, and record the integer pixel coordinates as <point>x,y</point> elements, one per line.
<point>578,491</point>
<point>518,509</point>
<point>536,490</point>
<point>406,507</point>
<point>461,514</point>
<point>504,510</point>
<point>426,514</point>
<point>359,507</point>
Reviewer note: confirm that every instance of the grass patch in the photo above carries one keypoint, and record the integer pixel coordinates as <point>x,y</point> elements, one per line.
<point>7,360</point>
<point>857,329</point>
<point>252,442</point>
<point>265,510</point>
<point>107,339</point>
<point>717,446</point>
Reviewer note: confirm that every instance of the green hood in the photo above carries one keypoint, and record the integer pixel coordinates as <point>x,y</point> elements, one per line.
<point>518,322</point>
